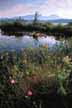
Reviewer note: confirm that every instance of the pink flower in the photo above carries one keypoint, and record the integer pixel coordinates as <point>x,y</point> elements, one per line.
<point>29,93</point>
<point>12,81</point>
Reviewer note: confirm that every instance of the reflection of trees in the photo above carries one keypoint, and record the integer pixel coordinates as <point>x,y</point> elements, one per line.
<point>36,43</point>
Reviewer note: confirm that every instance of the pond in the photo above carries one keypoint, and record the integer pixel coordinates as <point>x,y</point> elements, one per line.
<point>9,43</point>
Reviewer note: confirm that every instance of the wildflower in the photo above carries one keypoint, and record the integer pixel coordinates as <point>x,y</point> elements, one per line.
<point>29,93</point>
<point>1,57</point>
<point>12,81</point>
<point>24,61</point>
<point>66,60</point>
<point>26,96</point>
<point>27,73</point>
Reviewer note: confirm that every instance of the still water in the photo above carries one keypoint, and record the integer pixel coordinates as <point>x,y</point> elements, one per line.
<point>9,43</point>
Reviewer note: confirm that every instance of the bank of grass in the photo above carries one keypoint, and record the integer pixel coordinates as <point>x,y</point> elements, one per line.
<point>35,69</point>
<point>34,75</point>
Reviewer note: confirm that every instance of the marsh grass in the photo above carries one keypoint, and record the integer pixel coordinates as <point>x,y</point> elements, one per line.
<point>34,66</point>
<point>36,70</point>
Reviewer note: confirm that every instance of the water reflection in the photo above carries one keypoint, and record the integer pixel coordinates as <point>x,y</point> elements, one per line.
<point>13,43</point>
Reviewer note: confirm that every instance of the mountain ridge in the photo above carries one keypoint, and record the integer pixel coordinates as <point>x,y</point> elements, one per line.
<point>51,18</point>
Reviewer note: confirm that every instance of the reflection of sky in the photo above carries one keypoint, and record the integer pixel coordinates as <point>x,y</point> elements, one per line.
<point>10,8</point>
<point>13,43</point>
<point>48,40</point>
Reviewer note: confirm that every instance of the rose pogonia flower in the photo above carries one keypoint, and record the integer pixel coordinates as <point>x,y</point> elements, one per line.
<point>12,81</point>
<point>29,93</point>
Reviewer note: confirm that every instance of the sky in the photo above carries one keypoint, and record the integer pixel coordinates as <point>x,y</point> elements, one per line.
<point>12,8</point>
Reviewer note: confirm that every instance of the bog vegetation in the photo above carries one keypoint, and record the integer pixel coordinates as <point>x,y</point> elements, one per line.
<point>35,73</point>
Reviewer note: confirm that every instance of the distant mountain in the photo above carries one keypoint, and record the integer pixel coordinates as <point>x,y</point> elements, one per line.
<point>31,17</point>
<point>40,17</point>
<point>60,20</point>
<point>28,17</point>
<point>51,18</point>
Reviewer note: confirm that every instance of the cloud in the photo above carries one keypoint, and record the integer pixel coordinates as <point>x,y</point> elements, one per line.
<point>19,9</point>
<point>60,7</point>
<point>63,8</point>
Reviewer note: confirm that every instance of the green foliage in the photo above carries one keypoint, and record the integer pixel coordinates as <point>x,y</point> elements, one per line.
<point>45,66</point>
<point>18,28</point>
<point>35,19</point>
